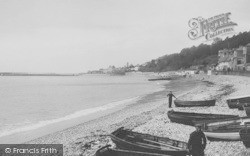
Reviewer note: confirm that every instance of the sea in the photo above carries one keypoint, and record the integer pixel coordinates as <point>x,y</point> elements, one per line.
<point>32,102</point>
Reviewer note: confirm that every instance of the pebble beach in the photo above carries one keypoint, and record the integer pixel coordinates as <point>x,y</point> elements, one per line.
<point>150,116</point>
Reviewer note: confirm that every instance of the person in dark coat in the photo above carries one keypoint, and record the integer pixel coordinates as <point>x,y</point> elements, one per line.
<point>170,96</point>
<point>197,142</point>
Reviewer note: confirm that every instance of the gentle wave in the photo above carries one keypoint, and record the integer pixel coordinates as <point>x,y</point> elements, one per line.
<point>68,117</point>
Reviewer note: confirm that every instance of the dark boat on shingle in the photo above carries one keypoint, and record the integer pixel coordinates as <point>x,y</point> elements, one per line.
<point>160,79</point>
<point>245,135</point>
<point>238,102</point>
<point>204,103</point>
<point>239,105</point>
<point>129,140</point>
<point>187,118</point>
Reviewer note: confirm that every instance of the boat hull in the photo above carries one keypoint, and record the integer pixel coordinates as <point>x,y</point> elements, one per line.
<point>160,79</point>
<point>245,99</point>
<point>228,136</point>
<point>165,78</point>
<point>245,136</point>
<point>180,103</point>
<point>191,118</point>
<point>227,130</point>
<point>238,105</point>
<point>122,139</point>
<point>238,102</point>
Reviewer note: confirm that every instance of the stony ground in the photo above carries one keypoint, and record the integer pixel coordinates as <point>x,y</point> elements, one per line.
<point>219,87</point>
<point>85,139</point>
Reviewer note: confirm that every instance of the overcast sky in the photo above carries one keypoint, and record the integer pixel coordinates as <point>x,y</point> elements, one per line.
<point>68,36</point>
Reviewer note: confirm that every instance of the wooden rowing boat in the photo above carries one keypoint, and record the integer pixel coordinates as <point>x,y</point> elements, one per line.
<point>241,107</point>
<point>247,109</point>
<point>245,136</point>
<point>238,102</point>
<point>106,151</point>
<point>189,118</point>
<point>171,77</point>
<point>242,99</point>
<point>181,103</point>
<point>129,140</point>
<point>165,78</point>
<point>227,130</point>
<point>159,79</point>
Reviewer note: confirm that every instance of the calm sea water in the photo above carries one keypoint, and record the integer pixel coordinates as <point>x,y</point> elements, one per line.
<point>32,102</point>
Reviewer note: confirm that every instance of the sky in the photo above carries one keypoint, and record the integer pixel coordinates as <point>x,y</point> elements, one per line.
<point>72,36</point>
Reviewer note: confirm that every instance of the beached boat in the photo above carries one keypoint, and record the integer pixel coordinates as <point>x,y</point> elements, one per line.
<point>226,130</point>
<point>247,109</point>
<point>106,151</point>
<point>172,77</point>
<point>242,99</point>
<point>189,118</point>
<point>241,107</point>
<point>232,104</point>
<point>238,105</point>
<point>162,78</point>
<point>181,103</point>
<point>245,136</point>
<point>238,102</point>
<point>129,140</point>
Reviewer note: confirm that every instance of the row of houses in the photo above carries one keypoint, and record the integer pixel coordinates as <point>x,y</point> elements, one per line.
<point>234,59</point>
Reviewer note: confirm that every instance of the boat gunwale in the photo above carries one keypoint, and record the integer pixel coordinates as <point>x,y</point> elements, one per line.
<point>238,97</point>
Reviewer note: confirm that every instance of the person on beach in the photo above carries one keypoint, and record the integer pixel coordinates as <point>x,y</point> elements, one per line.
<point>170,96</point>
<point>197,142</point>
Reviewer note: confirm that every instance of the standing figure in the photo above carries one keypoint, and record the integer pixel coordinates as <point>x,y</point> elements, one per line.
<point>170,95</point>
<point>197,142</point>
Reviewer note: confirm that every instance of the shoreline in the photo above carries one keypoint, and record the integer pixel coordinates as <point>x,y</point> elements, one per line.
<point>149,115</point>
<point>38,129</point>
<point>86,113</point>
<point>77,139</point>
<point>25,135</point>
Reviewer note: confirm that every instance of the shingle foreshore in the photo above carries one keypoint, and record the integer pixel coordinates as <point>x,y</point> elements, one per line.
<point>86,138</point>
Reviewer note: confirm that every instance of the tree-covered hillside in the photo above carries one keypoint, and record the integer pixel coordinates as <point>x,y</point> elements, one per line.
<point>201,55</point>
